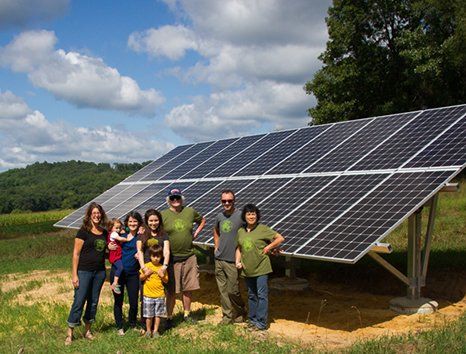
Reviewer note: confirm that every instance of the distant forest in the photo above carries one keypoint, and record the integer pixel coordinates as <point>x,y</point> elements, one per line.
<point>59,185</point>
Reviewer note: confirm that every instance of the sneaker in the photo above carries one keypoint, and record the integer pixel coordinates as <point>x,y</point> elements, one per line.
<point>121,332</point>
<point>168,324</point>
<point>189,319</point>
<point>117,289</point>
<point>156,335</point>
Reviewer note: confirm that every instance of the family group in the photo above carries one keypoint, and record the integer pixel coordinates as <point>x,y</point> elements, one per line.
<point>153,259</point>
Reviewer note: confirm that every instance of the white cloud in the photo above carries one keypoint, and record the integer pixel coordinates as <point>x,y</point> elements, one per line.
<point>14,13</point>
<point>27,136</point>
<point>256,56</point>
<point>82,80</point>
<point>239,112</point>
<point>169,41</point>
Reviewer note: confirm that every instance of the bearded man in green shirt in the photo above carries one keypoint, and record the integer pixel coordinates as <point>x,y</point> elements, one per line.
<point>178,223</point>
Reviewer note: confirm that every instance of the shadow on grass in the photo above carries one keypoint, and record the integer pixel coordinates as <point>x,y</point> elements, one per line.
<point>348,297</point>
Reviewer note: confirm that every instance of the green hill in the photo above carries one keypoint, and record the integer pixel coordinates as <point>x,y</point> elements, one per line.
<point>59,185</point>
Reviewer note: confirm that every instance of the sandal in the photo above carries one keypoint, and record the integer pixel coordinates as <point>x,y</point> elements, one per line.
<point>89,335</point>
<point>68,340</point>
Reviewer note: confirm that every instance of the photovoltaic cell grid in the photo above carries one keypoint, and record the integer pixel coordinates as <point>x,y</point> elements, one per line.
<point>350,236</point>
<point>411,139</point>
<point>331,190</point>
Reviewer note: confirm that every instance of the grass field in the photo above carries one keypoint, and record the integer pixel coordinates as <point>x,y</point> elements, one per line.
<point>28,243</point>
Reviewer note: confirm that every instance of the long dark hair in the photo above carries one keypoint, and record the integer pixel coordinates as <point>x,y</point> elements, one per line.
<point>135,215</point>
<point>87,222</point>
<point>147,234</point>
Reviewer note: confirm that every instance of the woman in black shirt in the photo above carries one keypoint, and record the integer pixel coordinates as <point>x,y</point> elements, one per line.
<point>88,270</point>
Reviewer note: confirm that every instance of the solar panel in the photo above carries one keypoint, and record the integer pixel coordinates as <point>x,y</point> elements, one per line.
<point>303,158</point>
<point>279,152</point>
<point>332,190</point>
<point>223,156</point>
<point>362,143</point>
<point>250,154</point>
<point>348,237</point>
<point>448,150</point>
<point>178,161</point>
<point>411,139</point>
<point>154,165</point>
<point>197,160</point>
<point>308,218</point>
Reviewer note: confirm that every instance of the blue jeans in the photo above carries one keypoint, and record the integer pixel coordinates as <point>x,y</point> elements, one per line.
<point>88,292</point>
<point>258,300</point>
<point>131,283</point>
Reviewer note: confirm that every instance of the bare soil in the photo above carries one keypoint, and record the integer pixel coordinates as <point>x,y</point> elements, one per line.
<point>328,315</point>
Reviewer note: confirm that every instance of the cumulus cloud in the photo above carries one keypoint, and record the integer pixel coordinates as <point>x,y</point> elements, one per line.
<point>239,112</point>
<point>18,13</point>
<point>169,41</point>
<point>28,136</point>
<point>255,55</point>
<point>82,80</point>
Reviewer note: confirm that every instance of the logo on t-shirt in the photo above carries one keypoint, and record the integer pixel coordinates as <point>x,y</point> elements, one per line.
<point>179,225</point>
<point>247,245</point>
<point>152,242</point>
<point>226,226</point>
<point>99,245</point>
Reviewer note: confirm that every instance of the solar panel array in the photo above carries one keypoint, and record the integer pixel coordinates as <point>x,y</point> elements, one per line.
<point>332,190</point>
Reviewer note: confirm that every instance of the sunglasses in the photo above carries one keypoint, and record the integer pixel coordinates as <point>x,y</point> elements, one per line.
<point>174,197</point>
<point>228,201</point>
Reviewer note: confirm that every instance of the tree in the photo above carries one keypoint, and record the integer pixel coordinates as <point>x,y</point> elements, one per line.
<point>390,56</point>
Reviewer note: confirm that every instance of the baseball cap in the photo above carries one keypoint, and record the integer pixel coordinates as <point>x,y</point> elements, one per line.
<point>175,191</point>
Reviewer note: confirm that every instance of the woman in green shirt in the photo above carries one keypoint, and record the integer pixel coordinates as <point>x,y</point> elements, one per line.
<point>255,242</point>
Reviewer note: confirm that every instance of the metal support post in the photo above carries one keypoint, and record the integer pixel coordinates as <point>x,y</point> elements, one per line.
<point>428,239</point>
<point>290,268</point>
<point>414,255</point>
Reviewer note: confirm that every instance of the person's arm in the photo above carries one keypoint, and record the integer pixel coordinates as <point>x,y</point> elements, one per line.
<point>78,246</point>
<point>140,255</point>
<point>238,263</point>
<point>216,238</point>
<point>118,238</point>
<point>164,278</point>
<point>199,228</point>
<point>166,259</point>
<point>143,276</point>
<point>277,240</point>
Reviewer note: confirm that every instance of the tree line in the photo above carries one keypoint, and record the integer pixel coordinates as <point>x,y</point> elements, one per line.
<point>60,185</point>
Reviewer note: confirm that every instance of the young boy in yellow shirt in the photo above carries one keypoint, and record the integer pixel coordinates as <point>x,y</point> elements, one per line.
<point>153,301</point>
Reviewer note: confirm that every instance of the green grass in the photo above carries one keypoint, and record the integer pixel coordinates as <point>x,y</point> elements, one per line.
<point>28,242</point>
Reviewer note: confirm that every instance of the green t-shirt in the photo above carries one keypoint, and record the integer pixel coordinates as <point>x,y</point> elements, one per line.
<point>179,227</point>
<point>251,244</point>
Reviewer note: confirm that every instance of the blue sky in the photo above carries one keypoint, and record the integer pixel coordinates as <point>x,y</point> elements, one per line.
<point>125,81</point>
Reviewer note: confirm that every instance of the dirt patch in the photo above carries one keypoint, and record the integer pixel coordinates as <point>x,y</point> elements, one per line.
<point>326,315</point>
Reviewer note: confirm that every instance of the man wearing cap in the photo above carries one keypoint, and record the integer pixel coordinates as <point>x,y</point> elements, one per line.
<point>226,228</point>
<point>178,223</point>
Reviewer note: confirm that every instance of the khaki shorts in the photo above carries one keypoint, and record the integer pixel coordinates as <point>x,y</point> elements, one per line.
<point>186,275</point>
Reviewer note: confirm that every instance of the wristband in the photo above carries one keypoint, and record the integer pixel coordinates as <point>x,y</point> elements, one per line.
<point>165,266</point>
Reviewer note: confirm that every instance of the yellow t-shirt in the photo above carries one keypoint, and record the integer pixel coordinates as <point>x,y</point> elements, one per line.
<point>153,286</point>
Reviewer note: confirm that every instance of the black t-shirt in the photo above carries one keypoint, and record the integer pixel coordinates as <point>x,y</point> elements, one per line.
<point>158,240</point>
<point>92,255</point>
